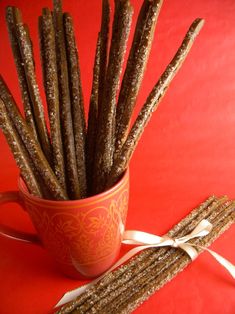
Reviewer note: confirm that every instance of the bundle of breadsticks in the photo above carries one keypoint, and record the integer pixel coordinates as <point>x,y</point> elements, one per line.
<point>74,159</point>
<point>127,287</point>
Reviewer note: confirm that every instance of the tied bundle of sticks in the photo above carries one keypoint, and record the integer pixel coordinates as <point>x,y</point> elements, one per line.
<point>124,289</point>
<point>73,160</point>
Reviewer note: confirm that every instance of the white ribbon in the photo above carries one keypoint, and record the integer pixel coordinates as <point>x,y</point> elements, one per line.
<point>146,240</point>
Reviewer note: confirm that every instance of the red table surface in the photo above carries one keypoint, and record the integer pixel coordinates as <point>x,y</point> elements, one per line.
<point>187,153</point>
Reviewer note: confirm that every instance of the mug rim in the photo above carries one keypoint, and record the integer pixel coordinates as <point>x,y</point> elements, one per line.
<point>23,189</point>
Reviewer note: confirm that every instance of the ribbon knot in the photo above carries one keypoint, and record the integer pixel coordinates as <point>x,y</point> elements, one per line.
<point>144,240</point>
<point>175,243</point>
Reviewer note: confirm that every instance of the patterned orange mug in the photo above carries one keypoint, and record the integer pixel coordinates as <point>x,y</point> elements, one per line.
<point>83,236</point>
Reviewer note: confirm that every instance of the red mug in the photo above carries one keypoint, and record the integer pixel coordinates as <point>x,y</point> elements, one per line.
<point>83,236</point>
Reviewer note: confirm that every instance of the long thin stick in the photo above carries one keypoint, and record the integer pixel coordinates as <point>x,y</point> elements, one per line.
<point>28,107</point>
<point>65,101</point>
<point>122,160</point>
<point>106,131</point>
<point>135,68</point>
<point>79,125</point>
<point>98,85</point>
<point>34,150</point>
<point>104,36</point>
<point>29,68</point>
<point>92,117</point>
<point>19,152</point>
<point>49,65</point>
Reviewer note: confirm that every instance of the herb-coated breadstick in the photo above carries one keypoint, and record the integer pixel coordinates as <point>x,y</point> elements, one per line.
<point>19,152</point>
<point>79,125</point>
<point>34,150</point>
<point>26,27</point>
<point>73,61</point>
<point>106,131</point>
<point>49,65</point>
<point>104,36</point>
<point>100,76</point>
<point>65,102</point>
<point>135,68</point>
<point>122,160</point>
<point>28,110</point>
<point>29,68</point>
<point>92,117</point>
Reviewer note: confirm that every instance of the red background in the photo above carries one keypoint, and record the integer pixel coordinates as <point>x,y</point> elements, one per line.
<point>186,154</point>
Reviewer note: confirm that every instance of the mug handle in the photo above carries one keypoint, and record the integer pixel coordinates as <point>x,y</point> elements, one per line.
<point>8,232</point>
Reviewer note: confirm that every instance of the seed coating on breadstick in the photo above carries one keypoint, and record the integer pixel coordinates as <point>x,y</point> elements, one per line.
<point>28,107</point>
<point>26,27</point>
<point>79,125</point>
<point>105,139</point>
<point>100,76</point>
<point>92,117</point>
<point>65,102</point>
<point>122,160</point>
<point>104,36</point>
<point>29,68</point>
<point>19,152</point>
<point>135,68</point>
<point>49,65</point>
<point>34,150</point>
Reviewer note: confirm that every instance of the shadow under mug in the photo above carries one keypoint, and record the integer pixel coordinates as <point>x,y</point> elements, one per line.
<point>83,236</point>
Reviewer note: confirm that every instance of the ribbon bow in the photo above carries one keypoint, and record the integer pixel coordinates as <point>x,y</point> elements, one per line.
<point>146,240</point>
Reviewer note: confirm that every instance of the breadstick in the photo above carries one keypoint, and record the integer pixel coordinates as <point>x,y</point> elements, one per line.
<point>48,58</point>
<point>34,150</point>
<point>135,68</point>
<point>105,138</point>
<point>92,116</point>
<point>65,102</point>
<point>79,125</point>
<point>100,77</point>
<point>28,110</point>
<point>19,152</point>
<point>122,160</point>
<point>104,36</point>
<point>27,58</point>
<point>26,27</point>
<point>73,61</point>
